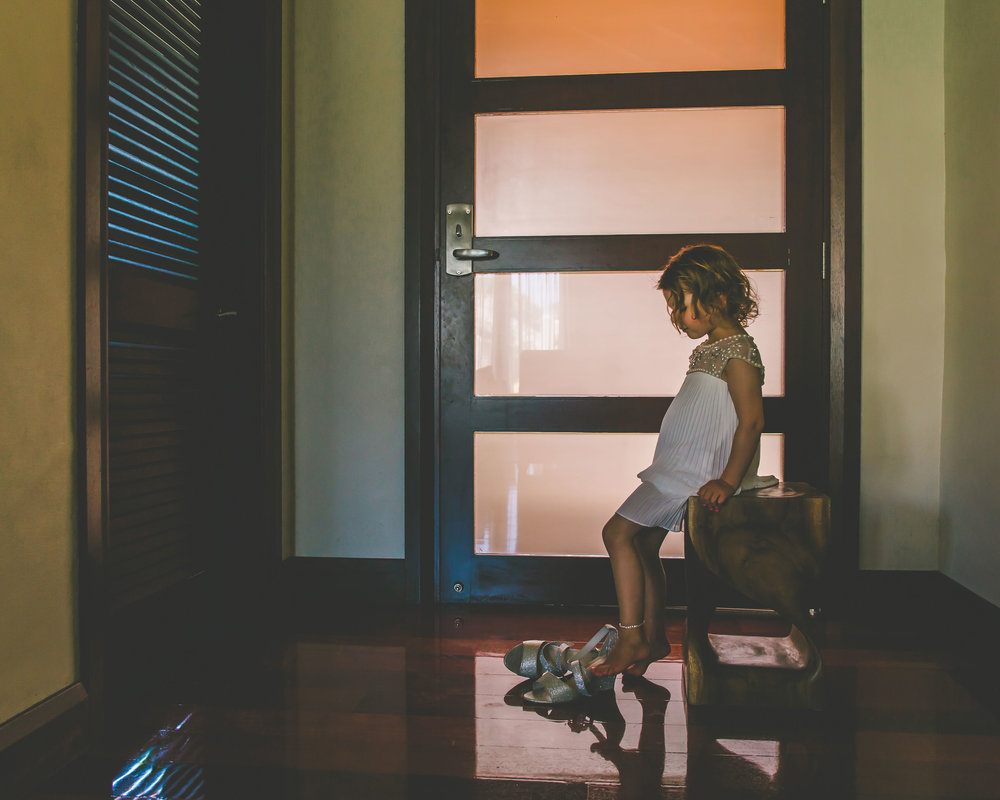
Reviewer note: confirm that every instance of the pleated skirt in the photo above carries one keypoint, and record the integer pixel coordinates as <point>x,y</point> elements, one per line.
<point>649,507</point>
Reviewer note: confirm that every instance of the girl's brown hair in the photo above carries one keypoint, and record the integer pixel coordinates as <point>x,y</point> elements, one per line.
<point>714,280</point>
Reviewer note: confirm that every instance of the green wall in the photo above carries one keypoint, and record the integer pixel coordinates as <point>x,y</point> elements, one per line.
<point>37,514</point>
<point>903,263</point>
<point>970,501</point>
<point>347,162</point>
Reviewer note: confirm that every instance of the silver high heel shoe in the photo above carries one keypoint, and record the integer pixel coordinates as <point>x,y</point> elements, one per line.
<point>550,689</point>
<point>534,657</point>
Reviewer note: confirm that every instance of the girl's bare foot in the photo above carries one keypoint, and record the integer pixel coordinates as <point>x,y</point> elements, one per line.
<point>628,651</point>
<point>657,650</point>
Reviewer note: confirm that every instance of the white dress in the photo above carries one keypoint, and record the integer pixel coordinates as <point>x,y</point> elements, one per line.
<point>695,439</point>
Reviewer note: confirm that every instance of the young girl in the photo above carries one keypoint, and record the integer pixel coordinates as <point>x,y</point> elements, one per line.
<point>709,444</point>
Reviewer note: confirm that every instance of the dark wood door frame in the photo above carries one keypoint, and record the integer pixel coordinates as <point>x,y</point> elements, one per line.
<point>92,328</point>
<point>423,201</point>
<point>421,289</point>
<point>92,322</point>
<point>844,252</point>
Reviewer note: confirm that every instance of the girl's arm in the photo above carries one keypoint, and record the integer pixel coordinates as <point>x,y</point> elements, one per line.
<point>744,388</point>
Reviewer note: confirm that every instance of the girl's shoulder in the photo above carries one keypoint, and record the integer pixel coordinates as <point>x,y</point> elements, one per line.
<point>712,357</point>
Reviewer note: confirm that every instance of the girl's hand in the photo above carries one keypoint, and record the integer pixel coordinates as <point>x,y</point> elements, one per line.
<point>714,493</point>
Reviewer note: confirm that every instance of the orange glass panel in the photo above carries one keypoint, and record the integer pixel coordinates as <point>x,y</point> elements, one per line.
<point>551,493</point>
<point>578,37</point>
<point>603,334</point>
<point>692,170</point>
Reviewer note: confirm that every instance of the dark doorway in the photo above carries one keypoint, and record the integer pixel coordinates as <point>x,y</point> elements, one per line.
<point>180,298</point>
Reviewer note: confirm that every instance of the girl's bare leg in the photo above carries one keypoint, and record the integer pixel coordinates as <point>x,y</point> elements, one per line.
<point>648,544</point>
<point>620,536</point>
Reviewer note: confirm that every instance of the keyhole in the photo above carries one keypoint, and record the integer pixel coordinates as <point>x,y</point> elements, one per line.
<point>458,231</point>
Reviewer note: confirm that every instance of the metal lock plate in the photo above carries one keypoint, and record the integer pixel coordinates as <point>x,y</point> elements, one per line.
<point>458,236</point>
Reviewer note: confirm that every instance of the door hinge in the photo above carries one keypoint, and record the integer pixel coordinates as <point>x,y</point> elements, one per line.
<point>824,260</point>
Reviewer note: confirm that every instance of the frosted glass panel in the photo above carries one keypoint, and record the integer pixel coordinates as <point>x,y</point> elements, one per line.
<point>576,37</point>
<point>551,493</point>
<point>772,455</point>
<point>603,334</point>
<point>693,170</point>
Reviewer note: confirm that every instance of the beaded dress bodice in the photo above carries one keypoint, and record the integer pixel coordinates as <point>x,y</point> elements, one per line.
<point>711,357</point>
<point>696,435</point>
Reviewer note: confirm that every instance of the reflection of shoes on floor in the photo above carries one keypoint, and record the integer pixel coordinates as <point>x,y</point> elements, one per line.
<point>584,714</point>
<point>581,713</point>
<point>573,714</point>
<point>602,708</point>
<point>581,681</point>
<point>515,695</point>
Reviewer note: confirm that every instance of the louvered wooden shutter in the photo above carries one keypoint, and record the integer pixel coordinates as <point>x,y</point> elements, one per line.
<point>155,279</point>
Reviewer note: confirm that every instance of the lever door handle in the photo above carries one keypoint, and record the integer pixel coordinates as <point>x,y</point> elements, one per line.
<point>474,254</point>
<point>458,228</point>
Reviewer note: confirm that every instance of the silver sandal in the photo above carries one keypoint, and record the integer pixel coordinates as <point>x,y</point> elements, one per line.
<point>534,657</point>
<point>550,689</point>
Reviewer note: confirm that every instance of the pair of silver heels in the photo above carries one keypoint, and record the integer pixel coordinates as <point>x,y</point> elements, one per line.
<point>560,673</point>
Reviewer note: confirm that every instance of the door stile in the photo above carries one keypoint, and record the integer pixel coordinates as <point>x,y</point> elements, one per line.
<point>805,358</point>
<point>455,363</point>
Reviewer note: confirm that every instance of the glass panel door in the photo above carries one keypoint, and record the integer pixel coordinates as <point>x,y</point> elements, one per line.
<point>557,359</point>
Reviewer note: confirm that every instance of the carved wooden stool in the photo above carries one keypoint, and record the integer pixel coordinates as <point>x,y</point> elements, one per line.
<point>770,545</point>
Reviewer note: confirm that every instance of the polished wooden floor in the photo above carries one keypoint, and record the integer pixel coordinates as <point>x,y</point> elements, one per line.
<point>418,704</point>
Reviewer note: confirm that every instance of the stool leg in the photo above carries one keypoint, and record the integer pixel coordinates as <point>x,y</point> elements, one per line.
<point>698,652</point>
<point>700,596</point>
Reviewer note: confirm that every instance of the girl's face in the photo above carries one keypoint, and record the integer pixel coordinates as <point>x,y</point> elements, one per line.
<point>695,322</point>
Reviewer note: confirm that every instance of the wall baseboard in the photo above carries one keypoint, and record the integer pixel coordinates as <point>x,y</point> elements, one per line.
<point>922,598</point>
<point>323,583</point>
<point>969,604</point>
<point>43,739</point>
<point>316,582</point>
